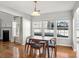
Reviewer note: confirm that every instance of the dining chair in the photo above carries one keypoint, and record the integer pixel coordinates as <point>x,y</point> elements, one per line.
<point>27,44</point>
<point>36,45</point>
<point>52,44</point>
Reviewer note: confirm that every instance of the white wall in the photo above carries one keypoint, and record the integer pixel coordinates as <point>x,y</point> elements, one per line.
<point>74,20</point>
<point>0,28</point>
<point>14,12</point>
<point>55,16</point>
<point>6,22</point>
<point>75,7</point>
<point>6,19</point>
<point>26,29</point>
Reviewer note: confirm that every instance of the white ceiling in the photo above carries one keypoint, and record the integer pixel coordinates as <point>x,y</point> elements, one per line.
<point>44,6</point>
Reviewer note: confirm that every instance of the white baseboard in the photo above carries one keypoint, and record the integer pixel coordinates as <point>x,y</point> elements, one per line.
<point>65,45</point>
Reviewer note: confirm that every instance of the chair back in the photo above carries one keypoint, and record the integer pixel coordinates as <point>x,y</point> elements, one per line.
<point>53,40</point>
<point>28,39</point>
<point>34,41</point>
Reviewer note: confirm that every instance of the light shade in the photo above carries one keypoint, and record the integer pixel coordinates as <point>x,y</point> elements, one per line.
<point>35,13</point>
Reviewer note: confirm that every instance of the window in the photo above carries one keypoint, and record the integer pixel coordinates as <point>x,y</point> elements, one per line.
<point>37,27</point>
<point>63,28</point>
<point>37,32</point>
<point>43,28</point>
<point>46,28</point>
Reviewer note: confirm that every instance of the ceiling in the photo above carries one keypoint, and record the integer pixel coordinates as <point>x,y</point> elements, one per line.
<point>44,6</point>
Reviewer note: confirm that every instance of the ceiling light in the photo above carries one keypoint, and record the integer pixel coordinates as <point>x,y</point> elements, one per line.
<point>35,12</point>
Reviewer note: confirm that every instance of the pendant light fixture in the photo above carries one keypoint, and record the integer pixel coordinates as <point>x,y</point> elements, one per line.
<point>35,12</point>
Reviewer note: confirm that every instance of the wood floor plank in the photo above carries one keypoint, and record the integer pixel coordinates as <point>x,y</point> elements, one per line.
<point>12,50</point>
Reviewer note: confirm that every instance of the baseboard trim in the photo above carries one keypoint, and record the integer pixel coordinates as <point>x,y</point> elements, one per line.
<point>64,45</point>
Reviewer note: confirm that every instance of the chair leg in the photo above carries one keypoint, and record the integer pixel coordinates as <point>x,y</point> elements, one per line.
<point>39,52</point>
<point>48,52</point>
<point>36,53</point>
<point>30,49</point>
<point>44,49</point>
<point>55,50</point>
<point>45,52</point>
<point>27,48</point>
<point>51,52</point>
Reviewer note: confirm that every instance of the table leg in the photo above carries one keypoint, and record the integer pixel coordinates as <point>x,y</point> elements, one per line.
<point>48,52</point>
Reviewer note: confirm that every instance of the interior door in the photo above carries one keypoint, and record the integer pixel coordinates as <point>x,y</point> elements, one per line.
<point>6,35</point>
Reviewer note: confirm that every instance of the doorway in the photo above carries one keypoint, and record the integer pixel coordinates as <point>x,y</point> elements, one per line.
<point>5,35</point>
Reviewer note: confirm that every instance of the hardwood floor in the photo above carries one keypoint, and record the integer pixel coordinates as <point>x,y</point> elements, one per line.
<point>11,50</point>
